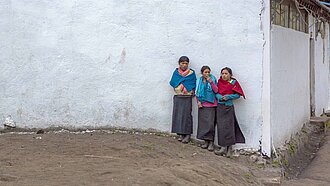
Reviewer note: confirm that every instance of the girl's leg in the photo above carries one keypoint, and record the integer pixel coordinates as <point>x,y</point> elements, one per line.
<point>229,151</point>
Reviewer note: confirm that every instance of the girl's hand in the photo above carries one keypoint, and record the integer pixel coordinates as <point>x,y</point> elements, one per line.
<point>199,104</point>
<point>208,78</point>
<point>224,98</point>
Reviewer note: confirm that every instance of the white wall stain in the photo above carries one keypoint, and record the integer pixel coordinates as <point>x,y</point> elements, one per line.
<point>122,56</point>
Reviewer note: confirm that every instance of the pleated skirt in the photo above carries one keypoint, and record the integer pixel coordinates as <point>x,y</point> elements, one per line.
<point>182,122</point>
<point>229,132</point>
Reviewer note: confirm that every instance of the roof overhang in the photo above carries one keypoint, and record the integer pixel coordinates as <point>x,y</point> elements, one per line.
<point>316,9</point>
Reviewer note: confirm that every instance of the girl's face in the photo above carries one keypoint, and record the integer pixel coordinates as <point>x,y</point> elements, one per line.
<point>183,65</point>
<point>225,75</point>
<point>206,73</point>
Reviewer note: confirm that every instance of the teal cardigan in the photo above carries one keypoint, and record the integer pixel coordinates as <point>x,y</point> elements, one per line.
<point>230,98</point>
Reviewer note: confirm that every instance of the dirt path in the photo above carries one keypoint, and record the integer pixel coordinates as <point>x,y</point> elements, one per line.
<point>318,172</point>
<point>107,158</point>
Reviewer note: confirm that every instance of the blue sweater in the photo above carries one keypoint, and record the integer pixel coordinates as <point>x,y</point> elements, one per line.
<point>189,81</point>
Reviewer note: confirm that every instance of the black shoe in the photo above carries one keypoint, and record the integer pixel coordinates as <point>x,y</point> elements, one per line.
<point>186,139</point>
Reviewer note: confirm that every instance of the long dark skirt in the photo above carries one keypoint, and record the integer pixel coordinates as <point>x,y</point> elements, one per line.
<point>206,123</point>
<point>182,122</point>
<point>229,132</point>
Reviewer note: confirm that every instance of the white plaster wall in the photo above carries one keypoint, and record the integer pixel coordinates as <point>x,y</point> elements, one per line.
<point>328,60</point>
<point>108,62</point>
<point>289,82</point>
<point>321,73</point>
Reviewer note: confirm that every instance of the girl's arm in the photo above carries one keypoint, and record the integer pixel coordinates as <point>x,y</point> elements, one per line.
<point>231,96</point>
<point>199,104</point>
<point>219,97</point>
<point>214,86</point>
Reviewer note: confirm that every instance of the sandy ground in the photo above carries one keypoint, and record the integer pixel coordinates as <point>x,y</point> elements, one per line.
<point>115,158</point>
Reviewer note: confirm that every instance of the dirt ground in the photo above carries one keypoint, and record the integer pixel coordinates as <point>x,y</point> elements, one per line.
<point>317,172</point>
<point>115,158</point>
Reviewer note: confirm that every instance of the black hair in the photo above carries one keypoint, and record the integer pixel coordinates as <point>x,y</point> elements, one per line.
<point>204,68</point>
<point>228,69</point>
<point>183,58</point>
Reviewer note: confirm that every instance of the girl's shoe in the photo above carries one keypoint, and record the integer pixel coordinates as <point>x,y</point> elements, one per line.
<point>205,145</point>
<point>186,139</point>
<point>222,151</point>
<point>211,146</point>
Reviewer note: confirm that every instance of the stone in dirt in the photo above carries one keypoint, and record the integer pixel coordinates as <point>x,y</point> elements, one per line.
<point>9,122</point>
<point>40,131</point>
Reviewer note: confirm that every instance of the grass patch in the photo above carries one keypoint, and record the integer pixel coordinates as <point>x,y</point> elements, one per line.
<point>292,148</point>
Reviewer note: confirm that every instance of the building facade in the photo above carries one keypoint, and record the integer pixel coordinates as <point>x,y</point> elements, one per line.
<point>108,63</point>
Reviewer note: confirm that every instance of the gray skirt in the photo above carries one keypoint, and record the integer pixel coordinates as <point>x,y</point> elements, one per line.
<point>229,132</point>
<point>182,122</point>
<point>206,123</point>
